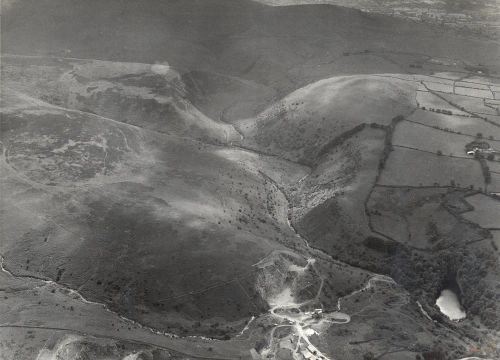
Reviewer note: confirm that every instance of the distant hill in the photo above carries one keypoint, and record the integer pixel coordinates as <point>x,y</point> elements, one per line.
<point>279,47</point>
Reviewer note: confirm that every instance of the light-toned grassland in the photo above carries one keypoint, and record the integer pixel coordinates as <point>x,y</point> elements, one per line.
<point>425,138</point>
<point>465,125</point>
<point>492,102</point>
<point>496,238</point>
<point>467,91</point>
<point>430,101</point>
<point>494,165</point>
<point>486,211</point>
<point>484,80</point>
<point>472,85</point>
<point>493,118</point>
<point>494,186</point>
<point>471,104</point>
<point>449,75</point>
<point>440,86</point>
<point>417,168</point>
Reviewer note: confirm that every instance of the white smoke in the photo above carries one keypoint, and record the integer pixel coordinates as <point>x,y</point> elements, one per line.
<point>6,4</point>
<point>160,69</point>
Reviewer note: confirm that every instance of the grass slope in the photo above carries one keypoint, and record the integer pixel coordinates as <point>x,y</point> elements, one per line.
<point>147,223</point>
<point>305,123</point>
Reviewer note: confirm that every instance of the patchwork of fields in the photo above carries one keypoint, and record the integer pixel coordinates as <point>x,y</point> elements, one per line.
<point>430,159</point>
<point>455,111</point>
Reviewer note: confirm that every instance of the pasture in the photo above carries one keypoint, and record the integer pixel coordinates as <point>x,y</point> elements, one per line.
<point>486,211</point>
<point>494,186</point>
<point>459,124</point>
<point>422,137</point>
<point>429,101</point>
<point>472,104</point>
<point>408,167</point>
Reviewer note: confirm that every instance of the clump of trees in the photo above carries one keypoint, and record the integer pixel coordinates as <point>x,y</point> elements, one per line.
<point>439,111</point>
<point>484,167</point>
<point>388,148</point>
<point>432,232</point>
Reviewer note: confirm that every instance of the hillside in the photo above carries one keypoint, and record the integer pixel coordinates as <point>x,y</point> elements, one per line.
<point>149,96</point>
<point>305,124</point>
<point>87,187</point>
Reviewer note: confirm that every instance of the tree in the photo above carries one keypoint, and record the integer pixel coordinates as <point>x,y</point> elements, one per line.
<point>479,135</point>
<point>436,354</point>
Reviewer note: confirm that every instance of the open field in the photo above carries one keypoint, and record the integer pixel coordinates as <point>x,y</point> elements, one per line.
<point>421,137</point>
<point>494,165</point>
<point>427,169</point>
<point>420,218</point>
<point>486,211</point>
<point>468,84</point>
<point>494,186</point>
<point>429,101</point>
<point>459,124</point>
<point>494,118</point>
<point>441,86</point>
<point>472,104</point>
<point>494,82</point>
<point>472,92</point>
<point>496,238</point>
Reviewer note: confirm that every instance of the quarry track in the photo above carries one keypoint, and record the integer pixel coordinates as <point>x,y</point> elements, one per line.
<point>123,338</point>
<point>130,339</point>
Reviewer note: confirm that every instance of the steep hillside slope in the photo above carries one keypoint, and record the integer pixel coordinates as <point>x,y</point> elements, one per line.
<point>225,97</point>
<point>149,96</point>
<point>148,223</point>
